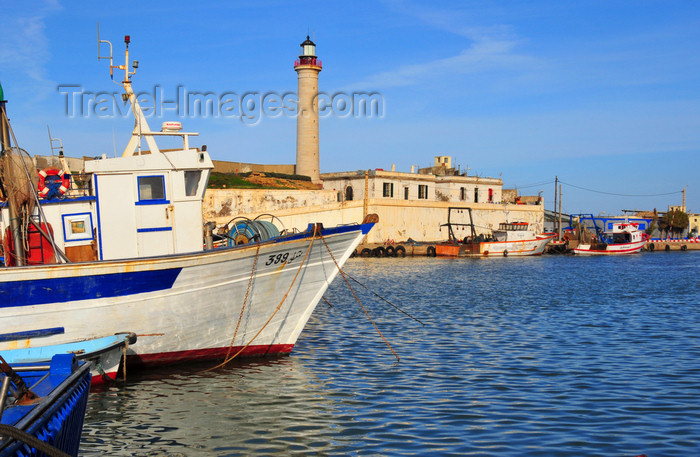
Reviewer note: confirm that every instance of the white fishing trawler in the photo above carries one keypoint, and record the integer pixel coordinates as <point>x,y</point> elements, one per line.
<point>511,239</point>
<point>624,238</point>
<point>131,254</point>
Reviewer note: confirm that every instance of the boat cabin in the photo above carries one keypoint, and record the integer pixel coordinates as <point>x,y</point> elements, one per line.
<point>145,203</point>
<point>513,231</point>
<point>624,232</point>
<point>135,206</point>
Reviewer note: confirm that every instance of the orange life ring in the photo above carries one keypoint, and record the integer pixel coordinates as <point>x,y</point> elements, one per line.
<point>43,174</point>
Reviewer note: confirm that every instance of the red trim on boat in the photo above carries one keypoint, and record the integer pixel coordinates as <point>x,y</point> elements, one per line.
<point>164,358</point>
<point>206,354</point>
<point>105,379</point>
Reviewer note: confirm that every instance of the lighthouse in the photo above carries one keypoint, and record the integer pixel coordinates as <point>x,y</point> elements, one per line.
<point>307,67</point>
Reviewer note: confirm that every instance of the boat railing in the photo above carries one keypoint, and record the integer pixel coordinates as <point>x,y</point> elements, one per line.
<point>184,135</point>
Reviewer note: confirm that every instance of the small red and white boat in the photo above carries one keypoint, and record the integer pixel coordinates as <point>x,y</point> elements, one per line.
<point>625,238</point>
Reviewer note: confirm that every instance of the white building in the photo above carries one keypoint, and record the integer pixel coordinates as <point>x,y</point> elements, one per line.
<point>378,183</point>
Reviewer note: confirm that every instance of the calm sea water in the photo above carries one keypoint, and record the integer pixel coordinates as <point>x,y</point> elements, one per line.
<point>549,356</point>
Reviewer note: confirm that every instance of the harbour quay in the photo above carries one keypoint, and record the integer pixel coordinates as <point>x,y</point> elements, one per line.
<point>659,245</point>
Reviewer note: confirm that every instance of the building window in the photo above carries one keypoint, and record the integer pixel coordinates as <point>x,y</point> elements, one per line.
<point>422,191</point>
<point>405,193</point>
<point>388,189</point>
<point>476,195</point>
<point>462,193</point>
<point>348,193</point>
<point>490,195</point>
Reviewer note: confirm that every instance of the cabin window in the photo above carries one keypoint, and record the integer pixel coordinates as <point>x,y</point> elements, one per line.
<point>422,191</point>
<point>348,193</point>
<point>151,190</point>
<point>77,227</point>
<point>388,189</point>
<point>192,178</point>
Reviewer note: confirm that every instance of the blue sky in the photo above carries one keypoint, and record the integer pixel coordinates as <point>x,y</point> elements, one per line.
<point>603,94</point>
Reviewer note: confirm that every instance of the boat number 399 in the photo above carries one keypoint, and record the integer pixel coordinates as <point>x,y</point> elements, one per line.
<point>282,258</point>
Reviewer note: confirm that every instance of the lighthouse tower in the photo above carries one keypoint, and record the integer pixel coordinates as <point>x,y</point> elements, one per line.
<point>307,68</point>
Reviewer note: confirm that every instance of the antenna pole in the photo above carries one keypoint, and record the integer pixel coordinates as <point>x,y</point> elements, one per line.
<point>141,127</point>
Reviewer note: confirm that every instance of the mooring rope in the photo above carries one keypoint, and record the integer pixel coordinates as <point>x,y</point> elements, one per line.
<point>279,306</point>
<point>387,301</point>
<point>343,274</point>
<point>124,350</point>
<point>245,300</point>
<point>31,440</point>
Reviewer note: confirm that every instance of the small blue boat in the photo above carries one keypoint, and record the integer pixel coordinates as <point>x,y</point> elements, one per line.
<point>104,354</point>
<point>42,407</point>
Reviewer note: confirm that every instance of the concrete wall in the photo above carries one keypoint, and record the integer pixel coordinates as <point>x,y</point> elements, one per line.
<point>399,220</point>
<point>75,164</point>
<point>241,167</point>
<point>693,223</point>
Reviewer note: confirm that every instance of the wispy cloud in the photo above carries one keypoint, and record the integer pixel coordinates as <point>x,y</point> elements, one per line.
<point>478,57</point>
<point>486,48</point>
<point>25,48</point>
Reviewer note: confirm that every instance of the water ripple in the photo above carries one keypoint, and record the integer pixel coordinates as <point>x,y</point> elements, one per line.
<point>554,356</point>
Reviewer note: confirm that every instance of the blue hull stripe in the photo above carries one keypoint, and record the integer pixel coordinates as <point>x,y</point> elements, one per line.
<point>61,290</point>
<point>32,334</point>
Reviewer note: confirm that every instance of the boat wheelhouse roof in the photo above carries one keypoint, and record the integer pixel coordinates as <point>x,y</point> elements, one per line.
<point>513,226</point>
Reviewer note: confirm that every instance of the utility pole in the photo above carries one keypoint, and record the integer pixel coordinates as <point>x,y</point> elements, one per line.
<point>683,207</point>
<point>559,212</point>
<point>556,180</point>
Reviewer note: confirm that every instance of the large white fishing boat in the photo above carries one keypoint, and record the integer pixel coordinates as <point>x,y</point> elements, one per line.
<point>131,254</point>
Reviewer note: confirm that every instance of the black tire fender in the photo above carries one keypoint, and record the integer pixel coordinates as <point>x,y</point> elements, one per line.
<point>431,251</point>
<point>400,251</point>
